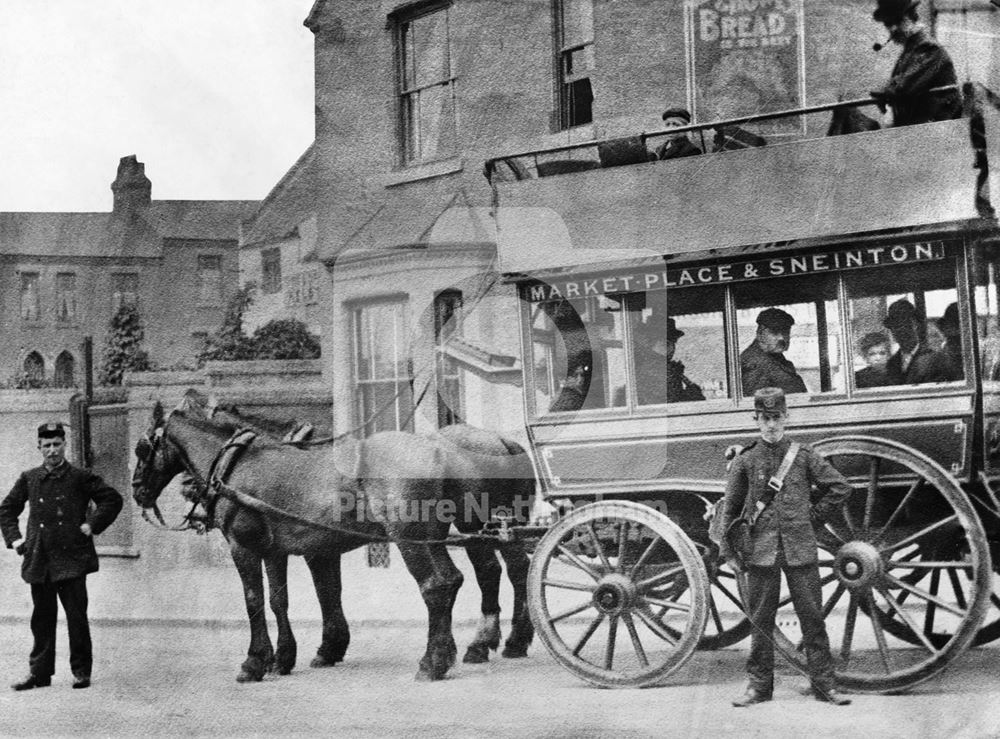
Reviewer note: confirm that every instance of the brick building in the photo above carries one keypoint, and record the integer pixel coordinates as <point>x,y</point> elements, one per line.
<point>63,275</point>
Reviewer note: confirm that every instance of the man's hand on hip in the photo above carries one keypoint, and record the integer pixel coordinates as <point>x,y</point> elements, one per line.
<point>85,528</point>
<point>19,547</point>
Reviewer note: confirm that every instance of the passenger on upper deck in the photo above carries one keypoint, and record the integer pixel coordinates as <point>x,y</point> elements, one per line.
<point>763,363</point>
<point>659,378</point>
<point>678,144</point>
<point>915,362</point>
<point>922,65</point>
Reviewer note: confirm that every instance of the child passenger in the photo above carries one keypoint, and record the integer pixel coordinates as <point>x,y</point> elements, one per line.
<point>875,349</point>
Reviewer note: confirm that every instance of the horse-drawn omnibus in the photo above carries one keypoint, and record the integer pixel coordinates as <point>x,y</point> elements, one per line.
<point>837,232</point>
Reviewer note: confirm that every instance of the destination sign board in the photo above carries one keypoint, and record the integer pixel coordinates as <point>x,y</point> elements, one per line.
<point>668,276</point>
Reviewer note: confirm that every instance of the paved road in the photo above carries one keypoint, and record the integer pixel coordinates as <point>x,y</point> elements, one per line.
<point>157,680</point>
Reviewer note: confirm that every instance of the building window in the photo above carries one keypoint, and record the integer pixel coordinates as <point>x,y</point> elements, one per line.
<point>30,305</point>
<point>575,44</point>
<point>209,279</point>
<point>124,290</point>
<point>65,365</point>
<point>66,297</point>
<point>382,368</point>
<point>426,86</point>
<point>448,324</point>
<point>270,271</point>
<point>34,370</point>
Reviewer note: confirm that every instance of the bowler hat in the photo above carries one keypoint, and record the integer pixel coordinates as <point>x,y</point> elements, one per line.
<point>775,319</point>
<point>891,12</point>
<point>51,431</point>
<point>900,313</point>
<point>677,112</point>
<point>770,400</point>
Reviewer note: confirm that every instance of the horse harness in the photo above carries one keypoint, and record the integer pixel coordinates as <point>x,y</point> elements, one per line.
<point>221,470</point>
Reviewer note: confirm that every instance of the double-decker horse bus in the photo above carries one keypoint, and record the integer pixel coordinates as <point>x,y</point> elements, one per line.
<point>643,287</point>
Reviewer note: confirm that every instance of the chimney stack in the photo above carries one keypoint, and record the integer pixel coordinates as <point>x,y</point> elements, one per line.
<point>132,189</point>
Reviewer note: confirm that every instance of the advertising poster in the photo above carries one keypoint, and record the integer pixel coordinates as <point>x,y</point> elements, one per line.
<point>745,57</point>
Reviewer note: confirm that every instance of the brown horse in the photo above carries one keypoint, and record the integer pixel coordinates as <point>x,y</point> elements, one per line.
<point>321,503</point>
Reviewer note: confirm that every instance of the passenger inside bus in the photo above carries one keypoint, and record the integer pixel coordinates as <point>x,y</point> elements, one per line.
<point>575,387</point>
<point>659,377</point>
<point>875,348</point>
<point>763,363</point>
<point>915,362</point>
<point>952,330</point>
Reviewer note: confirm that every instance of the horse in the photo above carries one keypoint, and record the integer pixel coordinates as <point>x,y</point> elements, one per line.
<point>481,462</point>
<point>322,503</point>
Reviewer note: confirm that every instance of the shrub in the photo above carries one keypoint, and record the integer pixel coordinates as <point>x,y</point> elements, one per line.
<point>231,341</point>
<point>123,350</point>
<point>285,339</point>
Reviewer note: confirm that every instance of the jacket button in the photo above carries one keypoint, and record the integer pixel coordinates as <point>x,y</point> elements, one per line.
<point>41,525</point>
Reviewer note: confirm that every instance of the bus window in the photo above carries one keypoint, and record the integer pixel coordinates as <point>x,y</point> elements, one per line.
<point>919,330</point>
<point>577,353</point>
<point>988,313</point>
<point>789,335</point>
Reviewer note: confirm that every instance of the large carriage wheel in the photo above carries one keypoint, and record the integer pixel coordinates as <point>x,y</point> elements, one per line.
<point>618,594</point>
<point>726,624</point>
<point>907,564</point>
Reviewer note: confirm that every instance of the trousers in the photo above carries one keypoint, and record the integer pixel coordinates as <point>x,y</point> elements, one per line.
<point>763,588</point>
<point>73,595</point>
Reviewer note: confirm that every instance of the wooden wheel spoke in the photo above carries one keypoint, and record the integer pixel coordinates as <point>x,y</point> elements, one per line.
<point>929,597</point>
<point>956,588</point>
<point>609,649</point>
<point>887,526</point>
<point>876,621</point>
<point>567,585</point>
<point>651,582</point>
<point>587,634</point>
<point>726,574</point>
<point>579,563</point>
<point>668,605</point>
<point>905,565</point>
<point>931,609</point>
<point>850,622</point>
<point>913,538</point>
<point>995,600</point>
<point>841,589</point>
<point>597,545</point>
<point>870,497</point>
<point>656,627</point>
<point>713,611</point>
<point>908,620</point>
<point>646,554</point>
<point>725,591</point>
<point>634,636</point>
<point>570,612</point>
<point>622,541</point>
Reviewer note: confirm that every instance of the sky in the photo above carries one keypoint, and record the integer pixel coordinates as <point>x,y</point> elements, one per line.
<point>214,96</point>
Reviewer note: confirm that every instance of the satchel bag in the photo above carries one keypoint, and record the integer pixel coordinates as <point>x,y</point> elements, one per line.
<point>739,532</point>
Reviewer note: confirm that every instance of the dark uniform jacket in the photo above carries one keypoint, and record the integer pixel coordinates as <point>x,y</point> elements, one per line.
<point>59,504</point>
<point>676,148</point>
<point>922,65</point>
<point>869,377</point>
<point>760,369</point>
<point>812,491</point>
<point>662,381</point>
<point>927,365</point>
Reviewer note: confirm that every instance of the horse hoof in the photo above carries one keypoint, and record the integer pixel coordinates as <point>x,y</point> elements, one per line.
<point>425,676</point>
<point>284,670</point>
<point>476,654</point>
<point>514,652</point>
<point>321,661</point>
<point>248,677</point>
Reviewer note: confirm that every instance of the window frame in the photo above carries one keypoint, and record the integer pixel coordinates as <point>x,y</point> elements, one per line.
<point>410,154</point>
<point>403,417</point>
<point>564,49</point>
<point>24,277</point>
<point>72,317</point>
<point>270,270</point>
<point>448,322</point>
<point>118,295</point>
<point>216,299</point>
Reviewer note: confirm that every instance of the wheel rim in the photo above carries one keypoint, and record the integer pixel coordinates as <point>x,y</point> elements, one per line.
<point>911,601</point>
<point>618,594</point>
<point>726,623</point>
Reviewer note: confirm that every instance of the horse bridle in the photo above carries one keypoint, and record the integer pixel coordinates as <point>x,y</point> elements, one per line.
<point>201,524</point>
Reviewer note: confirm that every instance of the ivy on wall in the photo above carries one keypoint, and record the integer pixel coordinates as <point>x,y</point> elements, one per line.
<point>123,350</point>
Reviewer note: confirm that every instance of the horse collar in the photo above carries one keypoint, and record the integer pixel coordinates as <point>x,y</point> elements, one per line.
<point>224,463</point>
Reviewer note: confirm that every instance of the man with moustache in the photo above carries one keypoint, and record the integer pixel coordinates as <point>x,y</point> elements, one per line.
<point>763,363</point>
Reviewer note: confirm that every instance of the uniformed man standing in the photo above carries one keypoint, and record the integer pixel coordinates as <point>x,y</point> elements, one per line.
<point>58,551</point>
<point>763,363</point>
<point>774,479</point>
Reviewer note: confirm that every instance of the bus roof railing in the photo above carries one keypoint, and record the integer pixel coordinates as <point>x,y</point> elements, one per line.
<point>725,123</point>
